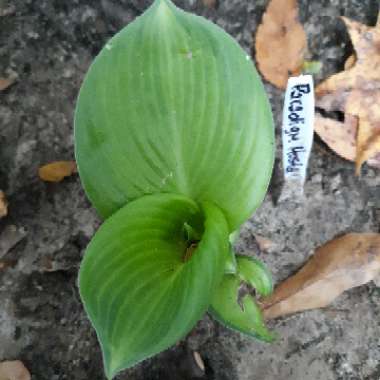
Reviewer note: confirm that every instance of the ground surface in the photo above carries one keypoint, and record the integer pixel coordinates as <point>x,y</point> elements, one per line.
<point>49,44</point>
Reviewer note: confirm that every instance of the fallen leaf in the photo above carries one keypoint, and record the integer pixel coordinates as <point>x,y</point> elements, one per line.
<point>365,105</point>
<point>209,3</point>
<point>5,83</point>
<point>57,171</point>
<point>13,370</point>
<point>3,205</point>
<point>356,91</point>
<point>281,42</point>
<point>339,136</point>
<point>339,265</point>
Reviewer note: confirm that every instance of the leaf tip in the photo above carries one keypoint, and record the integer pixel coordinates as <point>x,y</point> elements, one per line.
<point>111,365</point>
<point>163,6</point>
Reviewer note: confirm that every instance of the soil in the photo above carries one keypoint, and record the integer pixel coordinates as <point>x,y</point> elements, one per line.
<point>48,45</point>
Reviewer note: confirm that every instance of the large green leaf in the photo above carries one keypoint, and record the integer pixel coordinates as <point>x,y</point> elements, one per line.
<point>173,104</point>
<point>140,287</point>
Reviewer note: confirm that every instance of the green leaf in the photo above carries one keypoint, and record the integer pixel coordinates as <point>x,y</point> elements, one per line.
<point>231,263</point>
<point>140,288</point>
<point>173,104</point>
<point>244,315</point>
<point>255,273</point>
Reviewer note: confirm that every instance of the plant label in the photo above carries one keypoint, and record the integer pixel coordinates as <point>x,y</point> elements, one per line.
<point>298,128</point>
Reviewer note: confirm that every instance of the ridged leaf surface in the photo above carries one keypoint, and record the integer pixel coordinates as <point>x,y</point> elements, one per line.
<point>141,288</point>
<point>173,104</point>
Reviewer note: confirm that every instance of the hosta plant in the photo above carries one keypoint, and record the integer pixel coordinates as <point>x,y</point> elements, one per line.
<point>174,143</point>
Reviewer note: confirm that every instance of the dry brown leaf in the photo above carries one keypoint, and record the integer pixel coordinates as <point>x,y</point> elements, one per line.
<point>5,83</point>
<point>13,370</point>
<point>356,91</point>
<point>339,265</point>
<point>57,171</point>
<point>280,42</point>
<point>209,3</point>
<point>365,105</point>
<point>3,205</point>
<point>339,136</point>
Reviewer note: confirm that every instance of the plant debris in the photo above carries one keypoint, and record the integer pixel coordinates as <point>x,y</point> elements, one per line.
<point>356,93</point>
<point>209,3</point>
<point>5,83</point>
<point>14,370</point>
<point>3,205</point>
<point>57,171</point>
<point>339,265</point>
<point>281,42</point>
<point>339,136</point>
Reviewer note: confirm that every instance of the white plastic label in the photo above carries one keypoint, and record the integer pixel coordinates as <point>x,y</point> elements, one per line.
<point>298,128</point>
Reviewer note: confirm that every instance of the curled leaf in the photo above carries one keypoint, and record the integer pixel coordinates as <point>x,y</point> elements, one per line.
<point>339,265</point>
<point>256,274</point>
<point>57,171</point>
<point>280,42</point>
<point>139,291</point>
<point>243,314</point>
